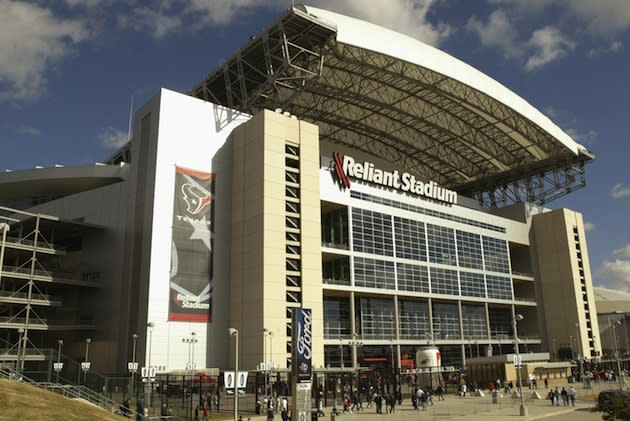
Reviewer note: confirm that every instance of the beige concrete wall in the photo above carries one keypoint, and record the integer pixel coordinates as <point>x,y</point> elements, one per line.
<point>557,269</point>
<point>258,298</point>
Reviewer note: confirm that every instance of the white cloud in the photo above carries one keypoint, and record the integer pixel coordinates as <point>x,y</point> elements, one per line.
<point>616,269</point>
<point>589,226</point>
<point>87,3</point>
<point>619,190</point>
<point>33,40</point>
<point>588,138</point>
<point>163,17</point>
<point>499,31</point>
<point>601,16</point>
<point>409,17</point>
<point>613,48</point>
<point>113,138</point>
<point>549,45</point>
<point>154,22</point>
<point>32,131</point>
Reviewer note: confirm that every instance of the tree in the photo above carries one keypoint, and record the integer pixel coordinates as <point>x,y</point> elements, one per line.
<point>615,404</point>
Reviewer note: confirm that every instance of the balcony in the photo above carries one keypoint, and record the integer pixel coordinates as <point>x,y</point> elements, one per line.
<point>330,281</point>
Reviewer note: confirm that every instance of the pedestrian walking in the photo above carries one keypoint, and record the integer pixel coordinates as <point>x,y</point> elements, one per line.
<point>571,394</point>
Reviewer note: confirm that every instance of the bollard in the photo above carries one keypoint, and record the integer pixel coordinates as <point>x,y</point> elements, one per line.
<point>495,396</point>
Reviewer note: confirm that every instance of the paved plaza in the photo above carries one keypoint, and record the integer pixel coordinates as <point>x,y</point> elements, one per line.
<point>472,408</point>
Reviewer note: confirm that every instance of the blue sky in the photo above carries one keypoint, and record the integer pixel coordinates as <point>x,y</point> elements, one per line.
<point>69,68</point>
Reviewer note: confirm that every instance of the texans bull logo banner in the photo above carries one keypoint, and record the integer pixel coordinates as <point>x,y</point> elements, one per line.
<point>191,256</point>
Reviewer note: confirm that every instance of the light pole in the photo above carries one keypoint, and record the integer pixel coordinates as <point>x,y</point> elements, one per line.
<point>611,329</point>
<point>391,349</point>
<point>194,341</point>
<point>341,353</point>
<point>19,349</point>
<point>579,344</point>
<point>190,365</point>
<point>150,326</point>
<point>4,227</point>
<point>354,343</point>
<point>134,366</point>
<point>234,332</point>
<point>86,364</point>
<point>268,359</point>
<point>515,319</point>
<point>59,365</point>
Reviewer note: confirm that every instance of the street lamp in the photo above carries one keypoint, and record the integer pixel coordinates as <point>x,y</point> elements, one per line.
<point>354,343</point>
<point>611,329</point>
<point>580,357</point>
<point>150,326</point>
<point>268,358</point>
<point>234,332</point>
<point>4,227</point>
<point>134,365</point>
<point>19,349</point>
<point>523,409</point>
<point>59,364</point>
<point>194,341</point>
<point>341,363</point>
<point>190,365</point>
<point>86,364</point>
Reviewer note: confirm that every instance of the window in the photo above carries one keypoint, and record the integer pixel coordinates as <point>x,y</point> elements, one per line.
<point>410,239</point>
<point>414,319</point>
<point>372,273</point>
<point>474,321</point>
<point>441,245</point>
<point>472,284</point>
<point>444,281</point>
<point>495,254</point>
<point>469,250</point>
<point>336,317</point>
<point>372,232</point>
<point>499,287</point>
<point>446,321</point>
<point>412,277</point>
<point>376,318</point>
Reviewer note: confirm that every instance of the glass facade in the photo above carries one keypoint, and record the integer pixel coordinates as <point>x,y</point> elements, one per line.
<point>376,318</point>
<point>372,232</point>
<point>418,280</point>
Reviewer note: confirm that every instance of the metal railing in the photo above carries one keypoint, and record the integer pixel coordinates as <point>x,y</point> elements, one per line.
<point>69,391</point>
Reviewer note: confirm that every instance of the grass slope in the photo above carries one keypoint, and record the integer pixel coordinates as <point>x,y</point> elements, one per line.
<point>20,401</point>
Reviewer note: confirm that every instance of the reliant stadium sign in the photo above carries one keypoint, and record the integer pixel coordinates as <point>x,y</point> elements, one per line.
<point>346,167</point>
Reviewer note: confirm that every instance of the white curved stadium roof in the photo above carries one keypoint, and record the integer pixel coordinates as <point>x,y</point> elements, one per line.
<point>393,97</point>
<point>375,38</point>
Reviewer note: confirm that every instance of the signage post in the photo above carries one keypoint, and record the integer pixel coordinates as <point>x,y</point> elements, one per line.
<point>302,363</point>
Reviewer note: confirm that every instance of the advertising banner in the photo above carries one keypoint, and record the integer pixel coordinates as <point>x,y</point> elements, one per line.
<point>190,295</point>
<point>303,344</point>
<point>230,380</point>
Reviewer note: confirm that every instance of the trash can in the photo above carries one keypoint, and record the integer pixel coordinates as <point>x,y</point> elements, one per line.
<point>495,396</point>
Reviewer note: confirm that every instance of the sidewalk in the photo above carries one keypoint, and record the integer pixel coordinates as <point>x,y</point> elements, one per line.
<point>471,408</point>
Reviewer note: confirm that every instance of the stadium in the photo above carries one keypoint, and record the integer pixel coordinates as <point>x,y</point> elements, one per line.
<point>329,164</point>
